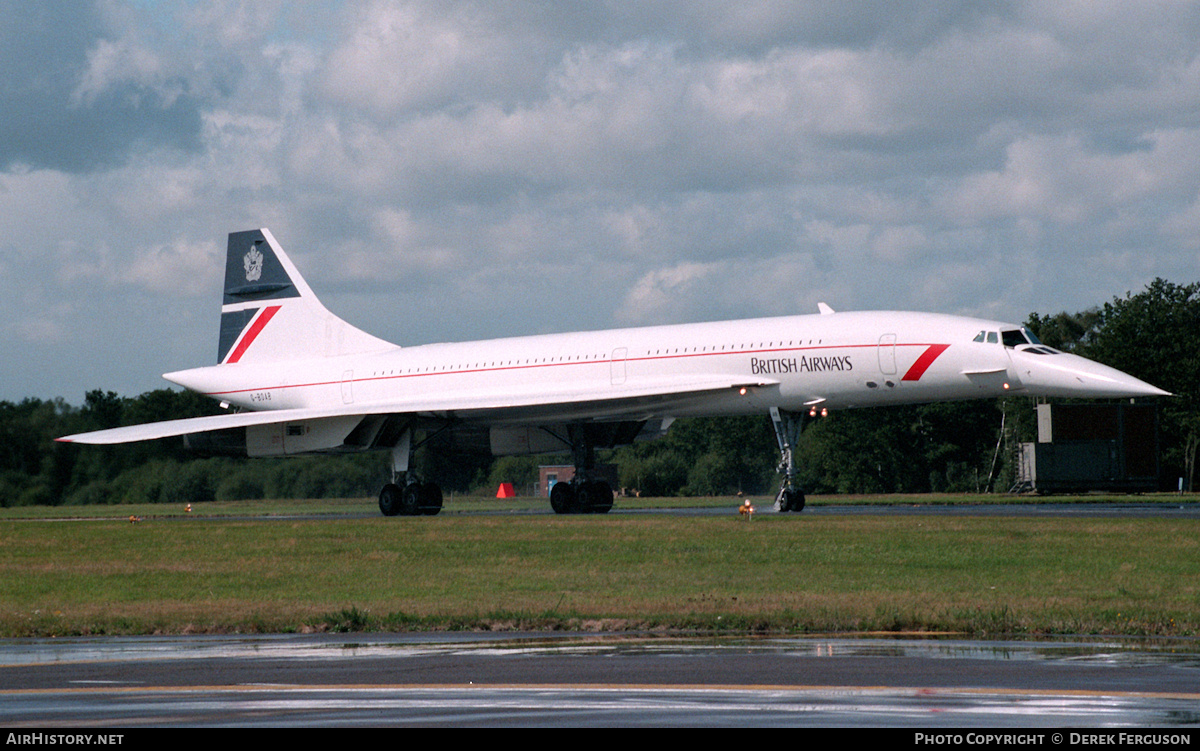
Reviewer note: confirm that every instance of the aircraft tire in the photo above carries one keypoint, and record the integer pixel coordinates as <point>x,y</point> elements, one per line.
<point>585,498</point>
<point>410,503</point>
<point>562,498</point>
<point>431,499</point>
<point>600,499</point>
<point>791,499</point>
<point>389,499</point>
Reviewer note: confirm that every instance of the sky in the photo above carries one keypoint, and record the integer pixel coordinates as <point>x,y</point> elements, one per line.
<point>448,171</point>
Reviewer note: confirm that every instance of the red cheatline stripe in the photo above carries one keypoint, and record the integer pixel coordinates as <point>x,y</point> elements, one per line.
<point>924,361</point>
<point>253,332</point>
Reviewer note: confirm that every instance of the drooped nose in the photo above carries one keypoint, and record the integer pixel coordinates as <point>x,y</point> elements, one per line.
<point>1061,374</point>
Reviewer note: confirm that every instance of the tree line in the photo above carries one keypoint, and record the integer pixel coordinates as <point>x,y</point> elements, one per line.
<point>36,470</point>
<point>1153,334</point>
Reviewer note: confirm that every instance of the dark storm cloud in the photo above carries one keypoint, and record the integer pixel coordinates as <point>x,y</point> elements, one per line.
<point>53,120</point>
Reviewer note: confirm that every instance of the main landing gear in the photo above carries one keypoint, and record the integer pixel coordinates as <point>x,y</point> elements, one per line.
<point>405,495</point>
<point>414,499</point>
<point>586,497</point>
<point>787,432</point>
<point>587,492</point>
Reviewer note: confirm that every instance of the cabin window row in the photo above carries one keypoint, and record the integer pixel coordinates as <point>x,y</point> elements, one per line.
<point>589,358</point>
<point>732,347</point>
<point>492,364</point>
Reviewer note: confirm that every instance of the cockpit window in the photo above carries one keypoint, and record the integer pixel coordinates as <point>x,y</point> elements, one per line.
<point>1017,337</point>
<point>1014,337</point>
<point>1025,340</point>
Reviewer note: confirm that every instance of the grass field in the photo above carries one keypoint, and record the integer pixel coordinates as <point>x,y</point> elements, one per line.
<point>281,567</point>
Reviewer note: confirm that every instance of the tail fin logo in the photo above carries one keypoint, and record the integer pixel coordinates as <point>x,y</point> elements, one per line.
<point>253,271</point>
<point>253,263</point>
<point>261,286</point>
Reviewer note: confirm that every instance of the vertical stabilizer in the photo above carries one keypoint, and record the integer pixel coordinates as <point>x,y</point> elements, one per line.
<point>269,313</point>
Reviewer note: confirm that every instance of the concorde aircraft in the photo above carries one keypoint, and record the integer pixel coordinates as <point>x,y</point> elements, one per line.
<point>302,381</point>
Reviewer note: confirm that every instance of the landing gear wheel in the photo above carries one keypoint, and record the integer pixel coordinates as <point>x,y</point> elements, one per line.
<point>583,498</point>
<point>562,498</point>
<point>431,499</point>
<point>599,497</point>
<point>410,503</point>
<point>791,499</point>
<point>390,499</point>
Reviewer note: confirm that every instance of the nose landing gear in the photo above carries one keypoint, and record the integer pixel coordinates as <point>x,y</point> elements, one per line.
<point>787,433</point>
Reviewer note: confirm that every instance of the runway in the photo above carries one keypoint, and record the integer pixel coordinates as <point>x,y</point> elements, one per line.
<point>613,680</point>
<point>577,680</point>
<point>1045,509</point>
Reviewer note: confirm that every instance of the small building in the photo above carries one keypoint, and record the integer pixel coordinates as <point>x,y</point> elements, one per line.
<point>1085,447</point>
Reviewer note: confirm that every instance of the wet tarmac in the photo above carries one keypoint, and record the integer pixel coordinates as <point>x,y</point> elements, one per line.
<point>613,680</point>
<point>616,680</point>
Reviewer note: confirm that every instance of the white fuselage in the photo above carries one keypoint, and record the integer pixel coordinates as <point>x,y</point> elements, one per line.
<point>838,360</point>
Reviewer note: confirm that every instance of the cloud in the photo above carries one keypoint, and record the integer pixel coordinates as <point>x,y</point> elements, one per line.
<point>449,170</point>
<point>653,296</point>
<point>80,97</point>
<point>177,267</point>
<point>396,59</point>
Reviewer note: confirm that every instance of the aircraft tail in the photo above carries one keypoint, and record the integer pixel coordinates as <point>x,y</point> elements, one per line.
<point>269,313</point>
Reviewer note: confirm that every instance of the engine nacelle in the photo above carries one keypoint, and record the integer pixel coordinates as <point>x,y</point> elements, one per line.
<point>229,442</point>
<point>301,437</point>
<point>522,441</point>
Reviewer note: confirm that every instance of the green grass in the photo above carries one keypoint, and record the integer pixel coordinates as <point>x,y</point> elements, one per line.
<point>786,573</point>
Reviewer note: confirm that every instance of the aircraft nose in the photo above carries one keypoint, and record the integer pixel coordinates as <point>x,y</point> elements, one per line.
<point>1062,374</point>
